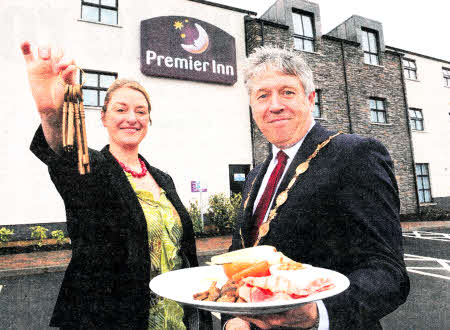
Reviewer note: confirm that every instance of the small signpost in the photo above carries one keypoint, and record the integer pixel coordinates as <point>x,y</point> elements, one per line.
<point>196,186</point>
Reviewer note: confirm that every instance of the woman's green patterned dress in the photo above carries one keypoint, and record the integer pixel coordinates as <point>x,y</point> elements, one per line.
<point>164,236</point>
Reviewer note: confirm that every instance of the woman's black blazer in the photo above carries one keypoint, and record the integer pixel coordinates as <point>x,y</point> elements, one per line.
<point>106,284</point>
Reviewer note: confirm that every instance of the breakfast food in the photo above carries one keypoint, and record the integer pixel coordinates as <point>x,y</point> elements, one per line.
<point>232,268</point>
<point>262,274</point>
<point>283,285</point>
<point>253,255</point>
<point>248,255</point>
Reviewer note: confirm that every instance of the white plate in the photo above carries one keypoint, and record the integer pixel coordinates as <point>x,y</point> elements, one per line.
<point>180,285</point>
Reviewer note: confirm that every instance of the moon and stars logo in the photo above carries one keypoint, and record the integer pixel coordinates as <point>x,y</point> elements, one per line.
<point>194,38</point>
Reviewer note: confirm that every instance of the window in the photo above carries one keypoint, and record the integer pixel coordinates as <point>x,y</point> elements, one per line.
<point>303,31</point>
<point>95,86</point>
<point>370,47</point>
<point>423,183</point>
<point>103,11</point>
<point>446,74</point>
<point>416,119</point>
<point>238,174</point>
<point>409,66</point>
<point>377,111</point>
<point>317,113</point>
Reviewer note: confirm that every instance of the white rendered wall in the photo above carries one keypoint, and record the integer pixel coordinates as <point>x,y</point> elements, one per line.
<point>432,144</point>
<point>198,128</point>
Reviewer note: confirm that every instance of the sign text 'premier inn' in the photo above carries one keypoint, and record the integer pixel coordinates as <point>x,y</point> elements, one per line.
<point>187,48</point>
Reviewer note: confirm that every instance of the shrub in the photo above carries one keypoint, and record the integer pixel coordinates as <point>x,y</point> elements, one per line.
<point>222,211</point>
<point>58,235</point>
<point>218,212</point>
<point>235,201</point>
<point>5,234</point>
<point>196,217</point>
<point>433,213</point>
<point>39,233</point>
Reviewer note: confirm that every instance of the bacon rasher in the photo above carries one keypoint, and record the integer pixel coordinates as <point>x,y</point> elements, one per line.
<point>284,285</point>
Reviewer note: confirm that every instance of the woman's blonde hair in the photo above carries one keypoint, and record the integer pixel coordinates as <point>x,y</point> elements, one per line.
<point>128,83</point>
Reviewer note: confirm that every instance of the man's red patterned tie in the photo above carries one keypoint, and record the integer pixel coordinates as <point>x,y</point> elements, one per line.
<point>266,197</point>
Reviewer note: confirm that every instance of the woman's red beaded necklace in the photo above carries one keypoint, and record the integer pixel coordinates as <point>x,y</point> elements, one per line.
<point>133,173</point>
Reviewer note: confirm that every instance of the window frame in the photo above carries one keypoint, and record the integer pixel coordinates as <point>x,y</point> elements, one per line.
<point>318,103</point>
<point>377,111</point>
<point>407,68</point>
<point>420,177</point>
<point>100,7</point>
<point>369,52</point>
<point>415,119</point>
<point>300,36</point>
<point>97,88</point>
<point>446,76</point>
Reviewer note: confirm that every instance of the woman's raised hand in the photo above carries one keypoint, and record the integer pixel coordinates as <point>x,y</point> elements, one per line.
<point>44,72</point>
<point>48,88</point>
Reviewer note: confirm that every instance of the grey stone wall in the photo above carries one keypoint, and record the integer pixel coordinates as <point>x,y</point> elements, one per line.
<point>274,34</point>
<point>385,82</point>
<point>363,81</point>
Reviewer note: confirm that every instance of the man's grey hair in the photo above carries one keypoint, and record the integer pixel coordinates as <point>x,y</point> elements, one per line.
<point>287,61</point>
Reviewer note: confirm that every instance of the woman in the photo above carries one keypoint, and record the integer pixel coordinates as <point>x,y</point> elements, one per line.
<point>125,219</point>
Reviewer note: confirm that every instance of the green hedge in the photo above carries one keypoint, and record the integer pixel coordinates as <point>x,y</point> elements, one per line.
<point>220,216</point>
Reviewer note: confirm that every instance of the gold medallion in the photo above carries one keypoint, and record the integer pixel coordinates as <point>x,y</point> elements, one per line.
<point>246,201</point>
<point>272,215</point>
<point>249,193</point>
<point>291,183</point>
<point>264,229</point>
<point>282,198</point>
<point>302,168</point>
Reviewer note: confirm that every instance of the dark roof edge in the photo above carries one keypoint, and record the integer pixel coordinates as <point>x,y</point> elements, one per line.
<point>406,52</point>
<point>270,23</point>
<point>391,51</point>
<point>209,3</point>
<point>354,43</point>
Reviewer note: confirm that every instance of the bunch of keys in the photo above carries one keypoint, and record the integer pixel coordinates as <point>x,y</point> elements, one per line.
<point>74,127</point>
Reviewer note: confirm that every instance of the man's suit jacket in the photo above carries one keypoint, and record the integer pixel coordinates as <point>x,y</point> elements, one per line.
<point>106,282</point>
<point>341,214</point>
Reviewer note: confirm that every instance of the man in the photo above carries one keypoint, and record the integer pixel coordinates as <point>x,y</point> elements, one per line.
<point>337,208</point>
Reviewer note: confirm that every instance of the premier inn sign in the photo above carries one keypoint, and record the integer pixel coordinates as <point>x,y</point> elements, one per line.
<point>187,48</point>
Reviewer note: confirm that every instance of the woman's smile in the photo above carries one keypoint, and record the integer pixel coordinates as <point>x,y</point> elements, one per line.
<point>130,129</point>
